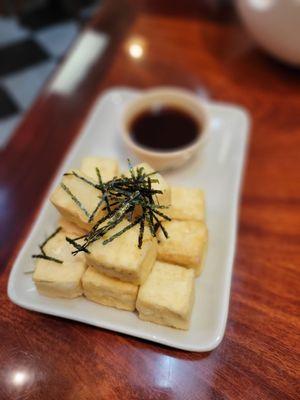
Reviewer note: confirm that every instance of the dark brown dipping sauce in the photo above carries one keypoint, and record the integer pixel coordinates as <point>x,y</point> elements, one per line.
<point>164,128</point>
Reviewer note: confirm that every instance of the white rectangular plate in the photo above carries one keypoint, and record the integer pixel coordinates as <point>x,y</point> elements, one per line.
<point>217,169</point>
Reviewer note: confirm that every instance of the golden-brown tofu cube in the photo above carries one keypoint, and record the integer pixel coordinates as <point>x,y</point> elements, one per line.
<point>167,296</point>
<point>108,168</point>
<point>86,194</point>
<point>187,204</point>
<point>109,291</point>
<point>186,244</point>
<point>70,228</point>
<point>59,280</point>
<point>122,258</point>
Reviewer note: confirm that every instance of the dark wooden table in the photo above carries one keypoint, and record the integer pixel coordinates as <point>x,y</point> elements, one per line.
<point>186,44</point>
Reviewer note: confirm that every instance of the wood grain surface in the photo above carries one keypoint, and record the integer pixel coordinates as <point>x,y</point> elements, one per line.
<point>190,45</point>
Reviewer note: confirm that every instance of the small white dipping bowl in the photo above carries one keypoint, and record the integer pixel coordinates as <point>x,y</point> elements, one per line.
<point>165,97</point>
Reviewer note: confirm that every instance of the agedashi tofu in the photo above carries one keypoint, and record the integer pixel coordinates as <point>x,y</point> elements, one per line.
<point>163,199</point>
<point>186,244</point>
<point>108,168</point>
<point>109,291</point>
<point>122,258</point>
<point>59,280</point>
<point>86,194</point>
<point>187,204</point>
<point>167,296</point>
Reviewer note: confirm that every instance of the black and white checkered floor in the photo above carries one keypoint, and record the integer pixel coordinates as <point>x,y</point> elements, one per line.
<point>30,50</point>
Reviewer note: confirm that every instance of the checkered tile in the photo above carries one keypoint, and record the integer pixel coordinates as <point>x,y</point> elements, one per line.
<point>30,49</point>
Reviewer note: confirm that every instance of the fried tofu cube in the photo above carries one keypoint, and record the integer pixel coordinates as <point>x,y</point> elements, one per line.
<point>187,204</point>
<point>186,244</point>
<point>70,228</point>
<point>86,194</point>
<point>109,291</point>
<point>58,247</point>
<point>122,258</point>
<point>59,280</point>
<point>164,198</point>
<point>167,296</point>
<point>108,168</point>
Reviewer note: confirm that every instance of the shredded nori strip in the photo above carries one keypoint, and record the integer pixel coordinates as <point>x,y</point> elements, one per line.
<point>45,257</point>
